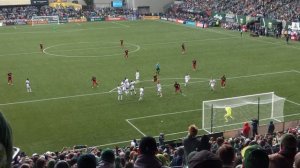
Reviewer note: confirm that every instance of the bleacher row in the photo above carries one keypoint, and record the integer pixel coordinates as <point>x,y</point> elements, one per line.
<point>270,150</point>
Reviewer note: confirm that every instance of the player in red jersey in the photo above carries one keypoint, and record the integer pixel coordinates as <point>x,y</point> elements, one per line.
<point>126,54</point>
<point>194,64</point>
<point>41,47</point>
<point>182,48</point>
<point>122,42</point>
<point>223,81</point>
<point>9,78</point>
<point>94,82</point>
<point>177,87</point>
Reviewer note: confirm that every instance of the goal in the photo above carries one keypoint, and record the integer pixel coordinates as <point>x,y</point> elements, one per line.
<point>265,107</point>
<point>44,20</point>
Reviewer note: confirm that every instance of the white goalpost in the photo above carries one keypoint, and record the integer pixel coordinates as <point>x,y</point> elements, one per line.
<point>44,20</point>
<point>265,107</point>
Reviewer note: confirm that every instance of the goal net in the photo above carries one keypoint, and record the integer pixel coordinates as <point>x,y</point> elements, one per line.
<point>44,20</point>
<point>265,107</point>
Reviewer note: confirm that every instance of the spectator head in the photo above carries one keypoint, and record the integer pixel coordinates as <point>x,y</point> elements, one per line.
<point>41,162</point>
<point>226,154</point>
<point>61,164</point>
<point>108,156</point>
<point>193,130</point>
<point>51,163</point>
<point>25,165</point>
<point>6,150</point>
<point>148,146</point>
<point>255,157</point>
<point>220,141</point>
<point>180,151</point>
<point>205,159</point>
<point>87,161</point>
<point>288,144</point>
<point>128,165</point>
<point>297,160</point>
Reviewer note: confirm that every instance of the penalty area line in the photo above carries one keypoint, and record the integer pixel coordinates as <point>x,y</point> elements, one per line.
<point>135,127</point>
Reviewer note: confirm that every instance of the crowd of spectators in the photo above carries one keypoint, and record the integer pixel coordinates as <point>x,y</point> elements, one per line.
<point>287,10</point>
<point>271,150</point>
<point>26,12</point>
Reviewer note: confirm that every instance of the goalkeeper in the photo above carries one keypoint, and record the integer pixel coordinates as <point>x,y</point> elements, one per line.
<point>228,113</point>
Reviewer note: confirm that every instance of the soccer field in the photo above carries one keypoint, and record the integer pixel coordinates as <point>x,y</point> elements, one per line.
<point>64,110</point>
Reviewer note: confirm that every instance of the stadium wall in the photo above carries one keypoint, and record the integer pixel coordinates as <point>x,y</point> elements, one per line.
<point>156,6</point>
<point>102,3</point>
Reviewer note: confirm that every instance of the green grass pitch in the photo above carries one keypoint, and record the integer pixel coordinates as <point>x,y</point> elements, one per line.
<point>63,109</point>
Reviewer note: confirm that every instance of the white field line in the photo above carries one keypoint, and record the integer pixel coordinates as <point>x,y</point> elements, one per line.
<point>54,98</point>
<point>158,115</point>
<point>207,80</point>
<point>66,31</point>
<point>135,127</point>
<point>228,34</point>
<point>117,23</point>
<point>19,53</point>
<point>112,89</point>
<point>91,56</point>
<point>108,92</point>
<point>122,142</point>
<point>293,102</point>
<point>187,41</point>
<point>296,71</point>
<point>162,43</point>
<point>88,48</point>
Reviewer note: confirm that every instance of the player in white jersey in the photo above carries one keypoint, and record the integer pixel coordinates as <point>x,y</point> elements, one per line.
<point>159,89</point>
<point>212,84</point>
<point>137,76</point>
<point>141,93</point>
<point>186,79</point>
<point>127,85</point>
<point>28,87</point>
<point>120,92</point>
<point>132,90</point>
<point>123,86</point>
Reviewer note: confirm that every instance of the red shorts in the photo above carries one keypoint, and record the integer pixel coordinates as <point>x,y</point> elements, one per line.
<point>194,66</point>
<point>94,82</point>
<point>223,83</point>
<point>9,79</point>
<point>177,89</point>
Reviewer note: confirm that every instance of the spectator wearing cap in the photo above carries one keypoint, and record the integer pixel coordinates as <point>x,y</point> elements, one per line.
<point>204,159</point>
<point>147,151</point>
<point>255,157</point>
<point>107,159</point>
<point>6,149</point>
<point>285,157</point>
<point>86,161</point>
<point>271,128</point>
<point>191,142</point>
<point>227,155</point>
